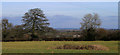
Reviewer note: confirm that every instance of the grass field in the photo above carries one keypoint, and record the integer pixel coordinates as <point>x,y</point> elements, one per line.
<point>46,47</point>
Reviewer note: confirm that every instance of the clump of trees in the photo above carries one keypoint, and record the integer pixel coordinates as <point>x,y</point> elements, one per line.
<point>91,31</point>
<point>36,27</point>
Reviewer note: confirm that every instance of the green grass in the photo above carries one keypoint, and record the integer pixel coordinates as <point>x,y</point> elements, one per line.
<point>47,46</point>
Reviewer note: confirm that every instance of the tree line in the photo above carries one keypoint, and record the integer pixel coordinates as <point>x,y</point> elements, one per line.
<point>36,27</point>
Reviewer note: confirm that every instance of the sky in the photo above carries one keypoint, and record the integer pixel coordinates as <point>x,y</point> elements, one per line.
<point>64,14</point>
<point>59,0</point>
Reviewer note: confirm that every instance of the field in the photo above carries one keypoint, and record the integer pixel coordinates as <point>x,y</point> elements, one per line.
<point>47,46</point>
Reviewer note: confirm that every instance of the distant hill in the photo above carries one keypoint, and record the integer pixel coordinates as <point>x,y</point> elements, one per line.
<point>76,29</point>
<point>67,28</point>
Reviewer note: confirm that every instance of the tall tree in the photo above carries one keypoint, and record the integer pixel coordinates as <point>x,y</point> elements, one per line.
<point>89,25</point>
<point>5,27</point>
<point>35,19</point>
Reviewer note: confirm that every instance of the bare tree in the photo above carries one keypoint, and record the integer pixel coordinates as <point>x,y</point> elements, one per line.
<point>90,21</point>
<point>89,25</point>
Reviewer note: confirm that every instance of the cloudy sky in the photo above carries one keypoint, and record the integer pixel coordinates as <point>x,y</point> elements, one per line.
<point>64,14</point>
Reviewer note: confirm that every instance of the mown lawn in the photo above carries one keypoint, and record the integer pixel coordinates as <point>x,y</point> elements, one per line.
<point>47,46</point>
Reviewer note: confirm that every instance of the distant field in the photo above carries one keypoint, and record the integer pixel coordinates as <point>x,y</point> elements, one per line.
<point>46,46</point>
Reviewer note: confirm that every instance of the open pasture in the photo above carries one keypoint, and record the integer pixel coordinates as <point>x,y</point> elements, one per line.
<point>47,46</point>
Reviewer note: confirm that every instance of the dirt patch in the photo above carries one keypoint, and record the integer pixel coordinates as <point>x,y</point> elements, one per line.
<point>83,47</point>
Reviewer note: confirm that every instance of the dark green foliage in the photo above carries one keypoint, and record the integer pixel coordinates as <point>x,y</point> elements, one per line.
<point>100,33</point>
<point>35,20</point>
<point>6,26</point>
<point>112,35</point>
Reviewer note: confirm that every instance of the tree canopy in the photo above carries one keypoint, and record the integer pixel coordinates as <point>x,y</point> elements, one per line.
<point>90,21</point>
<point>35,19</point>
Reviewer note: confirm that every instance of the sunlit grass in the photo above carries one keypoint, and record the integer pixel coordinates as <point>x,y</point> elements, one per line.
<point>47,46</point>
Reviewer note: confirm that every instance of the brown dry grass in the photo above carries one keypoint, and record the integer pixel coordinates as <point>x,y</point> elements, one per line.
<point>83,47</point>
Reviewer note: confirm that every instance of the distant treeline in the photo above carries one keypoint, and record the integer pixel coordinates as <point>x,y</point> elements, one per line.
<point>54,35</point>
<point>35,27</point>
